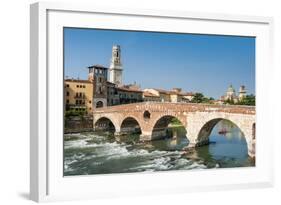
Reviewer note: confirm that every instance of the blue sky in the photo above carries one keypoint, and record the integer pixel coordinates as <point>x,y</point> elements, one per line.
<point>196,63</point>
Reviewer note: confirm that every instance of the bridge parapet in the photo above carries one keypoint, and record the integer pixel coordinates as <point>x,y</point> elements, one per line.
<point>176,107</point>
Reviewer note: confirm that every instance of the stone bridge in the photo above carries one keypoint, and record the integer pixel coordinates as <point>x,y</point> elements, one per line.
<point>152,118</point>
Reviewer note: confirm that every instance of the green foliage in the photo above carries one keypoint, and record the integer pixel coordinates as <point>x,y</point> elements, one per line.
<point>230,101</point>
<point>248,100</point>
<point>71,113</point>
<point>200,98</point>
<point>197,98</point>
<point>175,121</point>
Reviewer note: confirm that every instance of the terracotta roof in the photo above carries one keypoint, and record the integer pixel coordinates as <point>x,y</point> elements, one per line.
<point>129,90</point>
<point>148,94</point>
<point>188,94</point>
<point>77,81</point>
<point>162,91</point>
<point>108,82</point>
<point>98,66</point>
<point>173,92</point>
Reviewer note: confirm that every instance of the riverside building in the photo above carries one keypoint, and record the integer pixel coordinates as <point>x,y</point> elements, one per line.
<point>99,91</point>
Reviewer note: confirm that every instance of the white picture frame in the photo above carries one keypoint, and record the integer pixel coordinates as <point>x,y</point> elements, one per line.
<point>46,177</point>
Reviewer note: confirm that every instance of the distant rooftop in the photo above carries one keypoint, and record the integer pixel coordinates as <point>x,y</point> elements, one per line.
<point>149,94</point>
<point>77,80</point>
<point>175,92</point>
<point>129,89</point>
<point>98,66</point>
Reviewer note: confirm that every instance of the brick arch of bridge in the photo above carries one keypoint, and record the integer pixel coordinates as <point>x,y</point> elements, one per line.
<point>117,118</point>
<point>110,117</point>
<point>148,125</point>
<point>200,125</point>
<point>127,116</point>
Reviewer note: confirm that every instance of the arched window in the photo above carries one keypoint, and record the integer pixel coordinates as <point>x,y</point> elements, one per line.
<point>146,115</point>
<point>99,104</point>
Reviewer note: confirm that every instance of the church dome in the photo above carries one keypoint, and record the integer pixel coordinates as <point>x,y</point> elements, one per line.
<point>230,89</point>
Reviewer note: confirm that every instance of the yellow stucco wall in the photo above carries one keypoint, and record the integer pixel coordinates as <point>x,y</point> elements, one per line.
<point>73,87</point>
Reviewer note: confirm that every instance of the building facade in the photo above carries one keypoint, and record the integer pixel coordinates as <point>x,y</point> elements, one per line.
<point>78,95</point>
<point>129,95</point>
<point>150,97</point>
<point>98,76</point>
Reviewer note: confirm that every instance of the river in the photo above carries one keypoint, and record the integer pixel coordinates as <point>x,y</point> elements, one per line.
<point>100,153</point>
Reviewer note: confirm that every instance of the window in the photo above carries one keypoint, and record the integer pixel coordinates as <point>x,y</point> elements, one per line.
<point>90,101</point>
<point>84,86</point>
<point>100,79</point>
<point>99,104</point>
<point>67,85</point>
<point>100,91</point>
<point>77,86</point>
<point>76,94</point>
<point>76,102</point>
<point>80,86</point>
<point>146,115</point>
<point>67,93</point>
<point>67,101</point>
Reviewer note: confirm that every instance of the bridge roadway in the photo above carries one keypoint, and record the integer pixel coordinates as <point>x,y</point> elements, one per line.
<point>152,118</point>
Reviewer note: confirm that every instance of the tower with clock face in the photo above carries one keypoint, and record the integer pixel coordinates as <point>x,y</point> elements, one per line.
<point>115,68</point>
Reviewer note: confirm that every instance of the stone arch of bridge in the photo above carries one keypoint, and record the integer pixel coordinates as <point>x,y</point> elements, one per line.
<point>130,124</point>
<point>203,131</point>
<point>207,128</point>
<point>158,124</point>
<point>106,123</point>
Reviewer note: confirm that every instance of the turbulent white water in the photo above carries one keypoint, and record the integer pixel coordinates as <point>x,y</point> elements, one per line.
<point>92,153</point>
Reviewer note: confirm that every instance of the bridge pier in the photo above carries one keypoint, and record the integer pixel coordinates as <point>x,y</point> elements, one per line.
<point>196,143</point>
<point>117,133</point>
<point>251,148</point>
<point>145,136</point>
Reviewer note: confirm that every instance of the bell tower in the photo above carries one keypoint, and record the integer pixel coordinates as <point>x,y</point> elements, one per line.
<point>115,68</point>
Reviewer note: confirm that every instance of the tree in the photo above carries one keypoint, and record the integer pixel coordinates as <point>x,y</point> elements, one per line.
<point>200,98</point>
<point>230,101</point>
<point>197,98</point>
<point>248,100</point>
